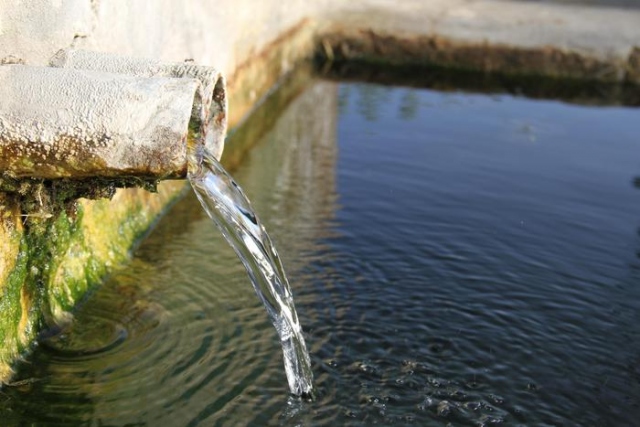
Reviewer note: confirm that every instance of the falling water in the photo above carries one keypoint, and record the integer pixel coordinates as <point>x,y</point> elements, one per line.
<point>230,210</point>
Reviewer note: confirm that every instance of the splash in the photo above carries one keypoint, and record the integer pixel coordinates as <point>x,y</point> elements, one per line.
<point>230,210</point>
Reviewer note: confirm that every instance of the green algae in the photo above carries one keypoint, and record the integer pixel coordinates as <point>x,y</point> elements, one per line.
<point>12,313</point>
<point>56,247</point>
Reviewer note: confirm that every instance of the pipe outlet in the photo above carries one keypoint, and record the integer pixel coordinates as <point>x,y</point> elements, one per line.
<point>104,120</point>
<point>209,107</point>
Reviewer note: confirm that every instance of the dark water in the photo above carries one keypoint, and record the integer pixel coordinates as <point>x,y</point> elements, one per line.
<point>456,259</point>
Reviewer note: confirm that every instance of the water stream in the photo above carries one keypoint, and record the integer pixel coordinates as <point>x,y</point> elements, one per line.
<point>231,211</point>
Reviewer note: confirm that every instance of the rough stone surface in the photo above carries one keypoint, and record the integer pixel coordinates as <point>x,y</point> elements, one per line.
<point>101,115</point>
<point>58,123</point>
<point>221,34</point>
<point>552,38</point>
<point>226,33</point>
<point>210,106</point>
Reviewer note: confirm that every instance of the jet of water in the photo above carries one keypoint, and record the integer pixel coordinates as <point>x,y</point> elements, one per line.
<point>230,210</point>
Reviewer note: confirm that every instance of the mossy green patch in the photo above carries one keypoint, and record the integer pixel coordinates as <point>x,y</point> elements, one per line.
<point>13,271</point>
<point>11,310</point>
<point>53,249</point>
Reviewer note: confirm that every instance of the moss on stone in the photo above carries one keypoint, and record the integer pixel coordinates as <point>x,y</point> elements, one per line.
<point>53,249</point>
<point>12,277</point>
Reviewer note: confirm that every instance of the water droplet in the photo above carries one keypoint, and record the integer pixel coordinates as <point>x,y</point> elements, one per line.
<point>496,399</point>
<point>444,408</point>
<point>473,406</point>
<point>350,414</point>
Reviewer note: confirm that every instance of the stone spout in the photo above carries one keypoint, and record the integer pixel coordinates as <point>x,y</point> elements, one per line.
<point>92,115</point>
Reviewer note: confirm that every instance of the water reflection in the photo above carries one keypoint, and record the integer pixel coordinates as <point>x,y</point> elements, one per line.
<point>448,268</point>
<point>583,92</point>
<point>485,276</point>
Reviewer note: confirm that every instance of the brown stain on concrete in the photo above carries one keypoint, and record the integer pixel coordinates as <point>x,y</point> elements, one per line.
<point>633,66</point>
<point>66,156</point>
<point>344,44</point>
<point>254,77</point>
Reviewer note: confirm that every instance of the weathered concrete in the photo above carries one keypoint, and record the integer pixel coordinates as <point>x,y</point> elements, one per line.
<point>59,123</point>
<point>105,116</point>
<point>225,34</point>
<point>550,38</point>
<point>562,40</point>
<point>209,109</point>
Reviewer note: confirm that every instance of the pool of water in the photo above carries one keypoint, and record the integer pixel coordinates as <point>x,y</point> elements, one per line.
<point>456,259</point>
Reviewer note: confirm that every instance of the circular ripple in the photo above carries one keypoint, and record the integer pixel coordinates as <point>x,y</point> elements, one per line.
<point>101,336</point>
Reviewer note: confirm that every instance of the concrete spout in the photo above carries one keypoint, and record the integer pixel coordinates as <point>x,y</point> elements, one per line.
<point>106,123</point>
<point>210,105</point>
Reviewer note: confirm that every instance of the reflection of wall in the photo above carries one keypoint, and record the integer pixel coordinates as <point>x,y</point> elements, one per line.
<point>585,92</point>
<point>263,116</point>
<point>290,174</point>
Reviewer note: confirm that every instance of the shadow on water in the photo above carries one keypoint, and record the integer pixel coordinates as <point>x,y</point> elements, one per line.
<point>457,255</point>
<point>575,91</point>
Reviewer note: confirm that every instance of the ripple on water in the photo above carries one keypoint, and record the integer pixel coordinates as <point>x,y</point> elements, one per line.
<point>493,282</point>
<point>124,357</point>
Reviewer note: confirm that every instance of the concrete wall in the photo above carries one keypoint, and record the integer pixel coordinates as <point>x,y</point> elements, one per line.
<point>225,34</point>
<point>220,33</point>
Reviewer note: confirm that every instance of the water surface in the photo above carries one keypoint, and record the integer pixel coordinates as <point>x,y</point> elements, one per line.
<point>456,259</point>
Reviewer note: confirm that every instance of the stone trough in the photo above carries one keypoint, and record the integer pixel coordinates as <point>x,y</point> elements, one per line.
<point>80,119</point>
